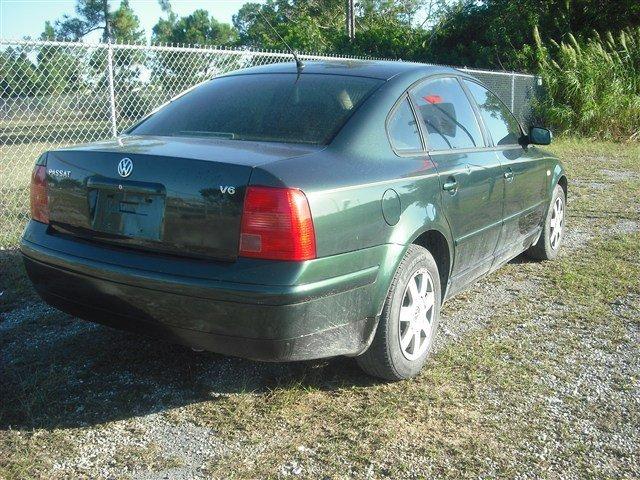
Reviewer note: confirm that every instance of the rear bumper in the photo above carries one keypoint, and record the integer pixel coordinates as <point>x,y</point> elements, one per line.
<point>207,304</point>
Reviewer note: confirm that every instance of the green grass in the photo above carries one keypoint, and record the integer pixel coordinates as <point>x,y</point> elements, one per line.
<point>611,166</point>
<point>592,87</point>
<point>16,164</point>
<point>14,285</point>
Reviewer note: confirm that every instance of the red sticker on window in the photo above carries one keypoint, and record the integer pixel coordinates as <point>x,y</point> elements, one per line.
<point>433,98</point>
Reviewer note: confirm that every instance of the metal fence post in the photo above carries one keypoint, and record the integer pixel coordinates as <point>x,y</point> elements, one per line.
<point>513,90</point>
<point>112,93</point>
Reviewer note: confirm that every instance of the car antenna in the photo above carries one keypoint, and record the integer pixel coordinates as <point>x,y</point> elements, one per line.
<point>299,64</point>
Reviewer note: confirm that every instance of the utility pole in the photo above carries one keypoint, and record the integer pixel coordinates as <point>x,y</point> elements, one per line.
<point>351,19</point>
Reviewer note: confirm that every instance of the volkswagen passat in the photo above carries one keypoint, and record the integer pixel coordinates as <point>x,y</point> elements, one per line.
<point>284,215</point>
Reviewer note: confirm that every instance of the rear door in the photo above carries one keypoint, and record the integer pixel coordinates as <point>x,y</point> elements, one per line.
<point>470,175</point>
<point>523,174</point>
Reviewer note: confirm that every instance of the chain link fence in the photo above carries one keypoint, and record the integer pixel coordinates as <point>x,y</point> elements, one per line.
<point>54,94</point>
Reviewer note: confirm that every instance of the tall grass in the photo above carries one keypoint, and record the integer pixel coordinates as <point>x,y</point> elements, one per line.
<point>592,87</point>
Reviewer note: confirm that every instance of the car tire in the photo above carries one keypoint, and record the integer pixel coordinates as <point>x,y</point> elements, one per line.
<point>548,245</point>
<point>407,326</point>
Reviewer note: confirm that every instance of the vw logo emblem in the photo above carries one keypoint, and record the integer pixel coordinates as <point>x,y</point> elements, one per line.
<point>125,167</point>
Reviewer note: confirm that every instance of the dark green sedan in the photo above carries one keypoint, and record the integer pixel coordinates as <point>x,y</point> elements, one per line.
<point>278,214</point>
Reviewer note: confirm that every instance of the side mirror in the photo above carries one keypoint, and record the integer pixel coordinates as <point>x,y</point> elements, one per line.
<point>539,136</point>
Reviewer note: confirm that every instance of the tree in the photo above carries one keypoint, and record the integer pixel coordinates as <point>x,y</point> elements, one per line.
<point>122,25</point>
<point>18,75</point>
<point>387,29</point>
<point>383,27</point>
<point>198,28</point>
<point>306,25</point>
<point>499,33</point>
<point>125,25</point>
<point>476,33</point>
<point>49,32</point>
<point>91,15</point>
<point>59,70</point>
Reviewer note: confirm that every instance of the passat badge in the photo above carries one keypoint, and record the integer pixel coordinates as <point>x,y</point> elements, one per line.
<point>125,167</point>
<point>60,173</point>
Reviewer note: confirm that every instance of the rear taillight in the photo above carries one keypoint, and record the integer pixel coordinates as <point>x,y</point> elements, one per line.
<point>277,225</point>
<point>39,194</point>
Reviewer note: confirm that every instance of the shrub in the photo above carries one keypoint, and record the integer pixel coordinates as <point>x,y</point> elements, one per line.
<point>592,87</point>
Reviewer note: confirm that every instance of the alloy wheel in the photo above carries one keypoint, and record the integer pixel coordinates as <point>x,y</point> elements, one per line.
<point>417,314</point>
<point>557,223</point>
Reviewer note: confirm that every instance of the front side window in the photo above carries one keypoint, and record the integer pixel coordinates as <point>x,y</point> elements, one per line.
<point>309,108</point>
<point>447,114</point>
<point>403,129</point>
<point>500,122</point>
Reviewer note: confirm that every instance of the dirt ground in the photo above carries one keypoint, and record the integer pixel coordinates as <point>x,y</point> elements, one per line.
<point>536,374</point>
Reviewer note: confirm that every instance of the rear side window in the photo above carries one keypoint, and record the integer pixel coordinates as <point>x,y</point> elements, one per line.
<point>309,108</point>
<point>403,129</point>
<point>447,114</point>
<point>500,122</point>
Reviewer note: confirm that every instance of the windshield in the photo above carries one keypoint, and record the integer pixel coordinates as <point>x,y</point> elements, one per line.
<point>309,108</point>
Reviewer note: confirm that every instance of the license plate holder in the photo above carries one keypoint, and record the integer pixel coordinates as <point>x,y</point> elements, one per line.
<point>130,209</point>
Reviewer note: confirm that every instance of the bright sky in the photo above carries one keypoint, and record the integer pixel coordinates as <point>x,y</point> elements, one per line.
<point>20,18</point>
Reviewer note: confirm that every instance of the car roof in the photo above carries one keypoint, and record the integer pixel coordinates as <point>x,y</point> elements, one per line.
<point>380,69</point>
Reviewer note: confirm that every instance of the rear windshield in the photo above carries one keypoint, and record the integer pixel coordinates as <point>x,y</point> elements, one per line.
<point>309,108</point>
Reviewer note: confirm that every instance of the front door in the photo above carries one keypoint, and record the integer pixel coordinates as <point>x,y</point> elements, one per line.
<point>470,175</point>
<point>524,174</point>
<point>524,200</point>
<point>473,207</point>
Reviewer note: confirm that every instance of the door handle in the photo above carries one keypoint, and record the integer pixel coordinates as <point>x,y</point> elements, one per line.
<point>508,174</point>
<point>451,185</point>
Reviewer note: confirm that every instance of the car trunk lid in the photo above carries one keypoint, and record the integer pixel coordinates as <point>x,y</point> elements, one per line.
<point>173,195</point>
